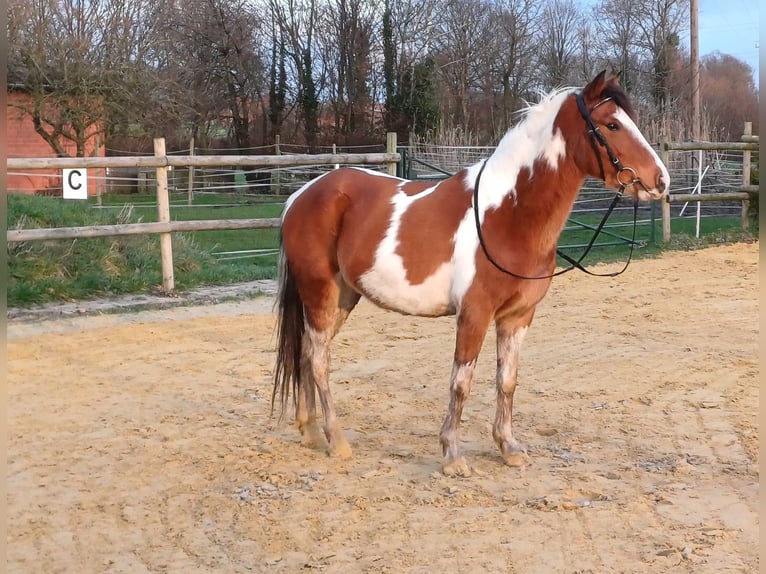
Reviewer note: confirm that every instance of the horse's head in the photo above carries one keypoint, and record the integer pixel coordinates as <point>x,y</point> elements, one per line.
<point>614,149</point>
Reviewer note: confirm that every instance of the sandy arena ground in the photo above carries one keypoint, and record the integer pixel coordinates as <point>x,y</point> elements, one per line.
<point>143,442</point>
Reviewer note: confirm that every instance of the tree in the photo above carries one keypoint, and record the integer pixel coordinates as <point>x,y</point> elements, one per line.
<point>728,94</point>
<point>418,99</point>
<point>659,23</point>
<point>407,39</point>
<point>220,57</point>
<point>390,119</point>
<point>514,52</point>
<point>559,42</point>
<point>299,19</point>
<point>460,45</point>
<point>82,63</point>
<point>277,77</point>
<point>348,30</point>
<point>307,98</point>
<point>615,26</point>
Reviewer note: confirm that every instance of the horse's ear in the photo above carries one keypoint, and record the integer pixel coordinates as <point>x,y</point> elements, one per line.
<point>615,80</point>
<point>596,87</point>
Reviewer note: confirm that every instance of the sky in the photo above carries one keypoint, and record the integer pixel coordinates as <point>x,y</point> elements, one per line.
<point>730,27</point>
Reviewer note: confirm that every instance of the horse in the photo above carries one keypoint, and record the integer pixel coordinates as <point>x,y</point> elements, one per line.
<point>479,245</point>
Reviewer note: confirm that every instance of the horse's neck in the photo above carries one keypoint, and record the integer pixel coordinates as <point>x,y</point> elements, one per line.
<point>536,204</point>
<point>532,179</point>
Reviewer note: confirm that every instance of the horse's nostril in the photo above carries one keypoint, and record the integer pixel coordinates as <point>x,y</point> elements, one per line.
<point>662,182</point>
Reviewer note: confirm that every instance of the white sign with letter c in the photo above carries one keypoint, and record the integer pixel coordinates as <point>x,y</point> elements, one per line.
<point>75,183</point>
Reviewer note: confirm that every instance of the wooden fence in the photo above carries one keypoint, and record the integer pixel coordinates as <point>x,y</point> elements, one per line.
<point>165,227</point>
<point>746,192</point>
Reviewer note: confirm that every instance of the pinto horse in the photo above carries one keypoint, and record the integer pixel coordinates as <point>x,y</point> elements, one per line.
<point>414,247</point>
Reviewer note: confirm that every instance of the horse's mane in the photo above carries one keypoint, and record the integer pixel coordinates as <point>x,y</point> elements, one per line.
<point>544,98</point>
<point>611,91</point>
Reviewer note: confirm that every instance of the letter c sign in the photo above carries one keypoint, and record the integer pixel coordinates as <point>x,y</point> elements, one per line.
<point>75,183</point>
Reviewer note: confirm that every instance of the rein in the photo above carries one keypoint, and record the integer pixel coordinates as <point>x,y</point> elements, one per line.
<point>596,137</point>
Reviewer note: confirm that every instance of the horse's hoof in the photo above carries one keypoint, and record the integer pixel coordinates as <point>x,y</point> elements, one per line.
<point>339,450</point>
<point>516,459</point>
<point>457,467</point>
<point>313,440</point>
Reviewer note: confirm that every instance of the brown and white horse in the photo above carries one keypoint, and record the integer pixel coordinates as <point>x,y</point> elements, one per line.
<point>413,247</point>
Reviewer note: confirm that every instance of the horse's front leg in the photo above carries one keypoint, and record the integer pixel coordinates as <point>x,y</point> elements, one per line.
<point>470,335</point>
<point>460,385</point>
<point>510,334</point>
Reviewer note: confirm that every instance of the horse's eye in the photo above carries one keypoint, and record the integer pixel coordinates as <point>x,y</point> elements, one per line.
<point>612,127</point>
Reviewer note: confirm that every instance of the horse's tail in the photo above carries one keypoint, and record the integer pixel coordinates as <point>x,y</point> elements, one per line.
<point>290,329</point>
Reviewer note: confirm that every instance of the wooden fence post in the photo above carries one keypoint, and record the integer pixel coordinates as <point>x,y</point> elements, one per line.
<point>391,148</point>
<point>99,184</point>
<point>275,173</point>
<point>163,215</point>
<point>665,157</point>
<point>746,162</point>
<point>190,188</point>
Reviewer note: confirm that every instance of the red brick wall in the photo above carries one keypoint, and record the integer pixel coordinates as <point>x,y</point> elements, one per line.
<point>23,141</point>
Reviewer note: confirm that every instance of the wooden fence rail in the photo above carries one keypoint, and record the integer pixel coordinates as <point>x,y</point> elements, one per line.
<point>202,161</point>
<point>711,146</point>
<point>746,192</point>
<point>161,161</point>
<point>19,235</point>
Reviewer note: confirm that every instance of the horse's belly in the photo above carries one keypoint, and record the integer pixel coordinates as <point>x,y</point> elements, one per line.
<point>386,284</point>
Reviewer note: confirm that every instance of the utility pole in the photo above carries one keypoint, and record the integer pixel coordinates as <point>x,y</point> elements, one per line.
<point>695,68</point>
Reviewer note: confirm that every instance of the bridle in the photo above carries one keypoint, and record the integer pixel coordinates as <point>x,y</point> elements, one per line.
<point>596,138</point>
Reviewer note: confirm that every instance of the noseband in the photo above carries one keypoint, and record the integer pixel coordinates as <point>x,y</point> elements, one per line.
<point>596,138</point>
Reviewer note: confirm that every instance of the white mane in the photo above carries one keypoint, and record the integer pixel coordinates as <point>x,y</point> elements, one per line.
<point>525,142</point>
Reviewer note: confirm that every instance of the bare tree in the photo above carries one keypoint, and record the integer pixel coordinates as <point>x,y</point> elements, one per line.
<point>514,53</point>
<point>257,68</point>
<point>299,21</point>
<point>460,45</point>
<point>218,51</point>
<point>408,42</point>
<point>659,23</point>
<point>90,68</point>
<point>616,22</point>
<point>277,104</point>
<point>729,97</point>
<point>347,31</point>
<point>560,23</point>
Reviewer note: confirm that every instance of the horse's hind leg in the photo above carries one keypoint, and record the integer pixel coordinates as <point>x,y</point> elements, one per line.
<point>305,412</point>
<point>324,319</point>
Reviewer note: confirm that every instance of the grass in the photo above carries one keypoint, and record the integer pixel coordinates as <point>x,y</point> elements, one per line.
<point>212,207</point>
<point>67,270</point>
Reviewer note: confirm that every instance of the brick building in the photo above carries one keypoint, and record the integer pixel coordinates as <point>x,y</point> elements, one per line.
<point>24,142</point>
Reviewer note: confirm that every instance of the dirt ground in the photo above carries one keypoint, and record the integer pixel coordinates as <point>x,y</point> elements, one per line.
<point>143,442</point>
